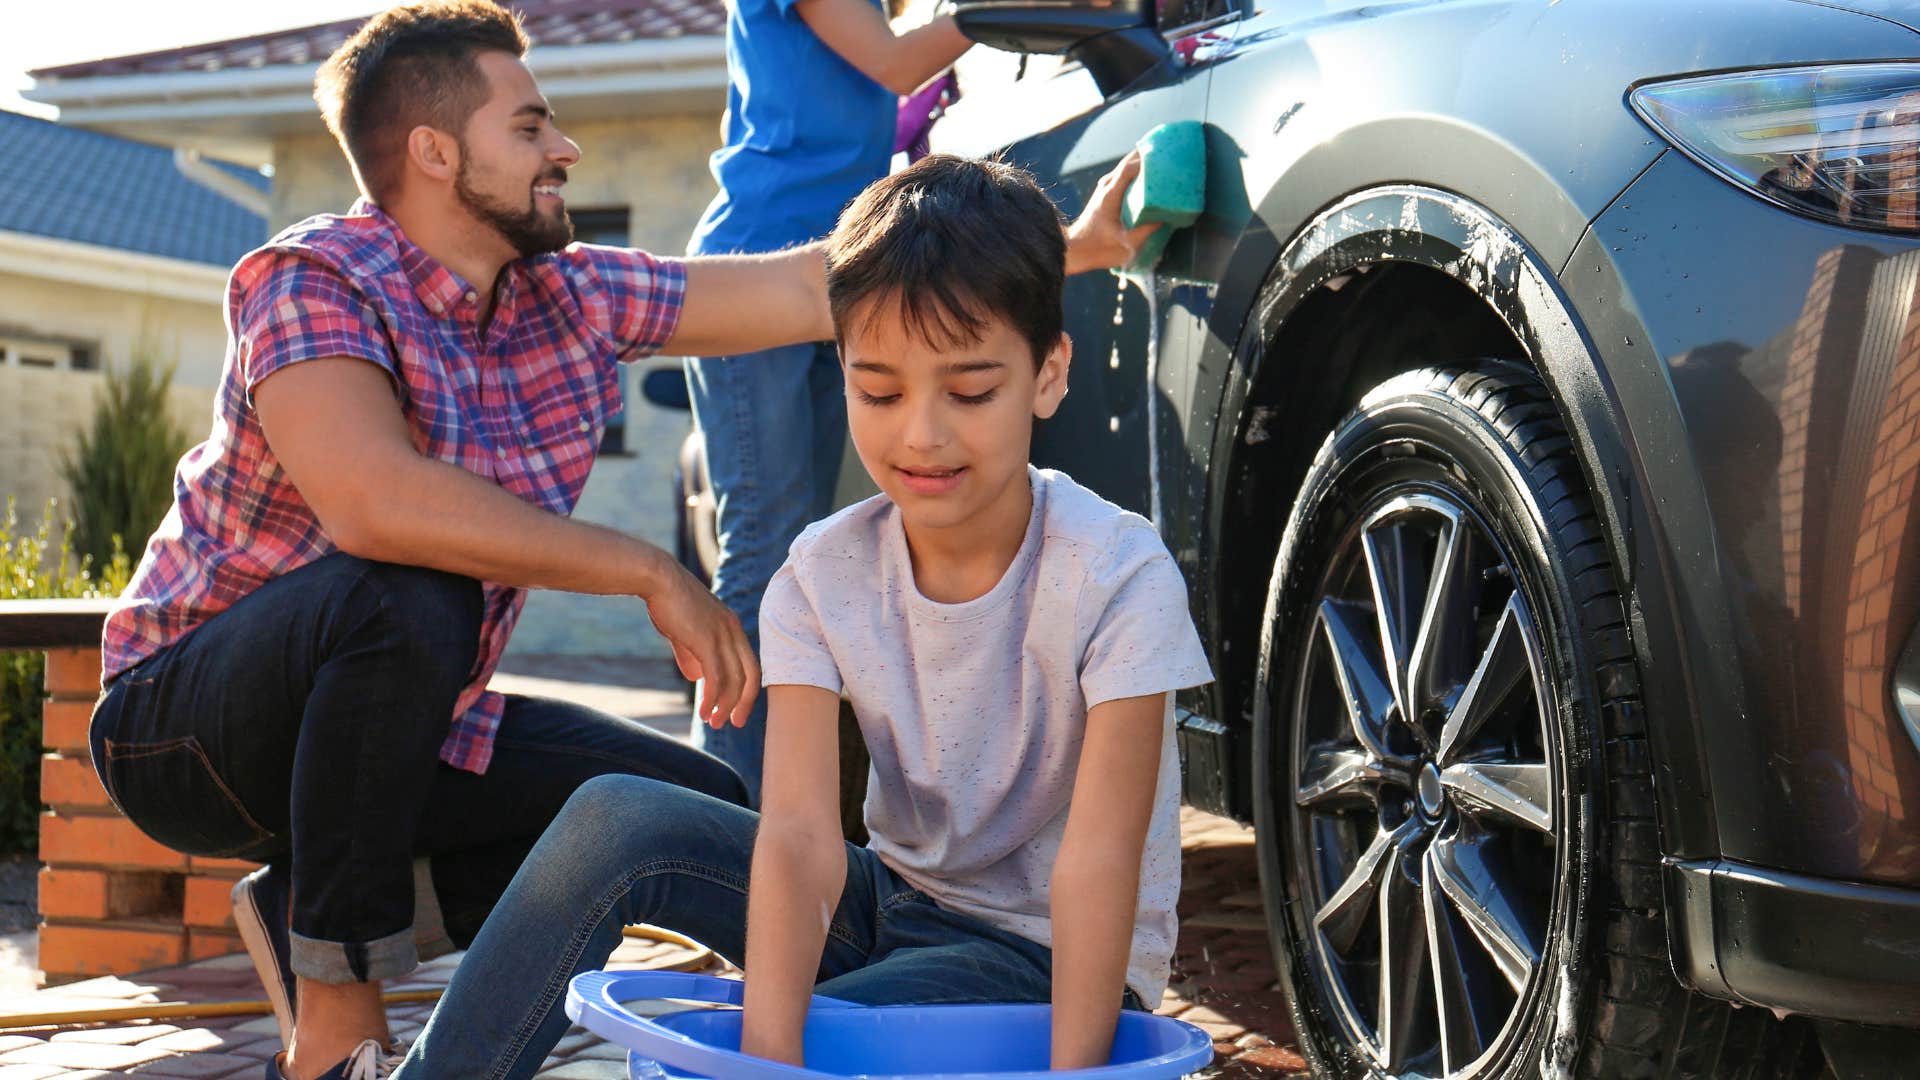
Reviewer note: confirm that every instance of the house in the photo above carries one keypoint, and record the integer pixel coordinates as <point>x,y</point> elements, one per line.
<point>109,248</point>
<point>639,84</point>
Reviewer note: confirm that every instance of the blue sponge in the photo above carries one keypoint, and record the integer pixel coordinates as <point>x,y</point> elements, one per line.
<point>1171,189</point>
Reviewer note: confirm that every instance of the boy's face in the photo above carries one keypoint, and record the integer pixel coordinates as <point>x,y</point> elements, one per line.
<point>946,432</point>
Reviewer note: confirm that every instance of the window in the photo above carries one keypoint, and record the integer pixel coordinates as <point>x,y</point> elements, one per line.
<point>606,227</point>
<point>20,351</point>
<point>1183,14</point>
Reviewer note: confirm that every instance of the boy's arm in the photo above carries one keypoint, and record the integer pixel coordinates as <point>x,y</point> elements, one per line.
<point>1096,875</point>
<point>744,303</point>
<point>858,32</point>
<point>799,868</point>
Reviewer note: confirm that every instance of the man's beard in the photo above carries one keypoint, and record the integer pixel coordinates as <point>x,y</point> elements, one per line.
<point>527,230</point>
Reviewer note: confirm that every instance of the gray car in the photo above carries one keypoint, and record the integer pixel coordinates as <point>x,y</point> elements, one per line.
<point>1535,413</point>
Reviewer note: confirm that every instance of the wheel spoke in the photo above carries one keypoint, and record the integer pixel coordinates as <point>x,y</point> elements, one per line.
<point>1403,954</point>
<point>1463,871</point>
<point>1502,666</point>
<point>1445,640</point>
<point>1345,912</point>
<point>1396,603</point>
<point>1510,792</point>
<point>1460,1041</point>
<point>1357,669</point>
<point>1336,777</point>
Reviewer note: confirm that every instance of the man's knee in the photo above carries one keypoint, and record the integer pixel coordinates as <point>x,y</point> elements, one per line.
<point>432,616</point>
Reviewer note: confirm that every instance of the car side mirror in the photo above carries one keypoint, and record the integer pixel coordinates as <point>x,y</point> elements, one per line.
<point>667,388</point>
<point>1115,39</point>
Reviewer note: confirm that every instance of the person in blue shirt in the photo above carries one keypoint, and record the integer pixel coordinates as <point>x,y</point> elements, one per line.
<point>813,89</point>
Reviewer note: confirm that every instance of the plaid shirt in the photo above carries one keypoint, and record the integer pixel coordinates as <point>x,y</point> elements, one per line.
<point>523,405</point>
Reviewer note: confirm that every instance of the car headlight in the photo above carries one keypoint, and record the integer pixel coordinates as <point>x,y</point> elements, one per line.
<point>1837,142</point>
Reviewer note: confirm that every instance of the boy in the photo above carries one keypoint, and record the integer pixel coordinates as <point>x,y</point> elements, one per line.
<point>1009,642</point>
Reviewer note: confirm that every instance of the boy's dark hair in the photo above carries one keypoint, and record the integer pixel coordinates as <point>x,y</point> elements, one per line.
<point>949,244</point>
<point>405,67</point>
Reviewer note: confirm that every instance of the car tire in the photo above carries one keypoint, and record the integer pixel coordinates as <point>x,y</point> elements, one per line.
<point>1498,859</point>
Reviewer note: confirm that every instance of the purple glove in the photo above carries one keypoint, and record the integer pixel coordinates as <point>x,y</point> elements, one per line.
<point>914,122</point>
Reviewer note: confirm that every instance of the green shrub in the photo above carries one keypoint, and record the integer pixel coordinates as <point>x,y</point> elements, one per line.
<point>33,567</point>
<point>121,467</point>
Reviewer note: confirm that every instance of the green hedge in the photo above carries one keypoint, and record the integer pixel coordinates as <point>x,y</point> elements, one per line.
<point>34,566</point>
<point>121,467</point>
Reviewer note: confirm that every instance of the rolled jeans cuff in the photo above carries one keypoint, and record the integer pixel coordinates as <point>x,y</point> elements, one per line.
<point>339,962</point>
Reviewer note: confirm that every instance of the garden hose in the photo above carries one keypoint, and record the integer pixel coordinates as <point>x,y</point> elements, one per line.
<point>188,1010</point>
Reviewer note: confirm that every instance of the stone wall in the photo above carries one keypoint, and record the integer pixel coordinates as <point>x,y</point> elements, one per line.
<point>119,323</point>
<point>41,412</point>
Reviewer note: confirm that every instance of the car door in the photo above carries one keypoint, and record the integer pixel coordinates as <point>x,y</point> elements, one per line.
<point>1131,338</point>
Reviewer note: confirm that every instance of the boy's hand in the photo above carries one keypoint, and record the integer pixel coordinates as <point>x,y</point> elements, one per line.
<point>707,641</point>
<point>1097,240</point>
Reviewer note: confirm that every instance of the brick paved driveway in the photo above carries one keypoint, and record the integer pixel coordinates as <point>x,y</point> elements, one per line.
<point>1223,981</point>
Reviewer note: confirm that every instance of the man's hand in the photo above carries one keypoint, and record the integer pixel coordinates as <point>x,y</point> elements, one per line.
<point>707,641</point>
<point>1097,240</point>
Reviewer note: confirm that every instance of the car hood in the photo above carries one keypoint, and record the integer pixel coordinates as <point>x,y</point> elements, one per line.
<point>1902,12</point>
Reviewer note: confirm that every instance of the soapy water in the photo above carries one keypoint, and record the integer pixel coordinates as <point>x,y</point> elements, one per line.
<point>1148,282</point>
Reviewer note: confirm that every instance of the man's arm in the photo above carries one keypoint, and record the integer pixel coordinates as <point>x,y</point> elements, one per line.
<point>744,303</point>
<point>799,868</point>
<point>859,33</point>
<point>1096,875</point>
<point>334,426</point>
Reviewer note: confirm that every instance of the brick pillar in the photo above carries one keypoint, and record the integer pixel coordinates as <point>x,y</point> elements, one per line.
<point>112,901</point>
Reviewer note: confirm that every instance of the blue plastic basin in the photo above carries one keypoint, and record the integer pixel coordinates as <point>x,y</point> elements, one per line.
<point>908,1042</point>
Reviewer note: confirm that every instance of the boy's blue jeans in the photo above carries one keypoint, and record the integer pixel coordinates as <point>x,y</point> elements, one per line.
<point>775,424</point>
<point>629,850</point>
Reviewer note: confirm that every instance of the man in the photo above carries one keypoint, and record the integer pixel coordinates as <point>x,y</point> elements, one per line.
<point>411,400</point>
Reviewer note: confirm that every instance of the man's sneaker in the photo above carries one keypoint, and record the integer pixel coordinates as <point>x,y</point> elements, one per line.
<point>260,907</point>
<point>369,1061</point>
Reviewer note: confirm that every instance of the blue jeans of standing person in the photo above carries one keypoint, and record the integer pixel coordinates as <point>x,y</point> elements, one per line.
<point>775,424</point>
<point>628,850</point>
<point>303,725</point>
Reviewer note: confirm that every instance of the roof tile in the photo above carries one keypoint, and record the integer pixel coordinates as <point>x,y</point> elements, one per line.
<point>548,22</point>
<point>94,188</point>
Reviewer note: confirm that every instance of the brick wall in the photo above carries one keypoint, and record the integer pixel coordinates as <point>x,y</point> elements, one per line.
<point>112,900</point>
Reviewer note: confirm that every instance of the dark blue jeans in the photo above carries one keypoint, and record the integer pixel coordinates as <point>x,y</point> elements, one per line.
<point>303,726</point>
<point>629,850</point>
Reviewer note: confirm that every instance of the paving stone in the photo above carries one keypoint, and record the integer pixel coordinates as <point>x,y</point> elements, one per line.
<point>231,962</point>
<point>201,1040</point>
<point>258,1050</point>
<point>589,1070</point>
<point>1229,920</point>
<point>602,1051</point>
<point>259,1025</point>
<point>73,1055</point>
<point>1275,1057</point>
<point>197,1067</point>
<point>108,986</point>
<point>569,1043</point>
<point>118,1036</point>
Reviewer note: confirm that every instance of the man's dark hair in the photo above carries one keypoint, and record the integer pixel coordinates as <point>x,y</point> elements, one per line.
<point>405,67</point>
<point>948,245</point>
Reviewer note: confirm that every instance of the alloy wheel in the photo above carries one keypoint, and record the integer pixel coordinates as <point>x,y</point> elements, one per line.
<point>1424,786</point>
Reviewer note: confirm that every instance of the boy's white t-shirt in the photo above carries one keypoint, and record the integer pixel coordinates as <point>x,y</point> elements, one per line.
<point>974,712</point>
